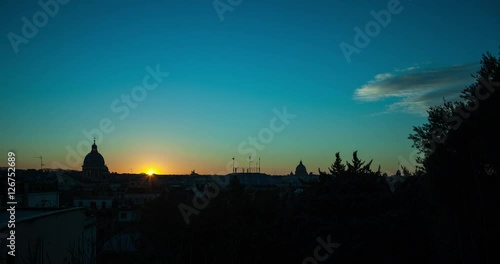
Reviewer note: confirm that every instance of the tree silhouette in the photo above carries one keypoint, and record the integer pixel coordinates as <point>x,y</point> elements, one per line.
<point>358,166</point>
<point>337,167</point>
<point>461,141</point>
<point>443,213</point>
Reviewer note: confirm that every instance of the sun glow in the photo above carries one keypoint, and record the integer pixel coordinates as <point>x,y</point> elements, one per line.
<point>150,170</point>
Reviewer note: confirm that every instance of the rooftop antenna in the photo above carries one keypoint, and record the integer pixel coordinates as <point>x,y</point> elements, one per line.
<point>41,162</point>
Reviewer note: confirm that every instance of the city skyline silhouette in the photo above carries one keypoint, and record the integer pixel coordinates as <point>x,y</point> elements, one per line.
<point>237,131</point>
<point>191,86</point>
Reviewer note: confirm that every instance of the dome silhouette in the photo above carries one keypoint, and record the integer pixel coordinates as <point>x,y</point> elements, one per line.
<point>94,158</point>
<point>301,169</point>
<point>94,167</point>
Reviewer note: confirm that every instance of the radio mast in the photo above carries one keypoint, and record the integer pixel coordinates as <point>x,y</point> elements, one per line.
<point>41,162</point>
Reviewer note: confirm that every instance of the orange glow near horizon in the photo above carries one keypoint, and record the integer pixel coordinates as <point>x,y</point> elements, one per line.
<point>150,171</point>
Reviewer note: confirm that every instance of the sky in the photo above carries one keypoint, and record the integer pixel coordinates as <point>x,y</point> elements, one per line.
<point>172,86</point>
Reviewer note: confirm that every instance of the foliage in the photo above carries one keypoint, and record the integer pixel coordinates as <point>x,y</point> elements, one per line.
<point>442,213</point>
<point>462,167</point>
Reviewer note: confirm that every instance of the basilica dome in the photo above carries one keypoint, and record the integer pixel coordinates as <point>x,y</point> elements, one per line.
<point>301,169</point>
<point>94,167</point>
<point>94,158</point>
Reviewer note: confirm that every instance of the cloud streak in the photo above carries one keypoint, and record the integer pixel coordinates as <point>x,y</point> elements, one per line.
<point>415,90</point>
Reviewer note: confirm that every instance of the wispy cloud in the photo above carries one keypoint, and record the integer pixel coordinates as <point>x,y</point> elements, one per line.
<point>415,89</point>
<point>411,68</point>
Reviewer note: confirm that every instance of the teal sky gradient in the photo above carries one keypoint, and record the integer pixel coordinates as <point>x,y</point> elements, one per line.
<point>226,77</point>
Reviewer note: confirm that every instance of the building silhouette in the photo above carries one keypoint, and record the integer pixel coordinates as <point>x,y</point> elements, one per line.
<point>94,167</point>
<point>301,170</point>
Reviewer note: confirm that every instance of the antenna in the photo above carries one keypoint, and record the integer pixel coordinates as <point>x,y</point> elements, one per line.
<point>41,162</point>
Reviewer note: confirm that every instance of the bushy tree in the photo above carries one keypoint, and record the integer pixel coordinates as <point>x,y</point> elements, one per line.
<point>461,141</point>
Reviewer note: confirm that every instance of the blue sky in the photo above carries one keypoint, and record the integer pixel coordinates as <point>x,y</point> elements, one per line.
<point>226,77</point>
